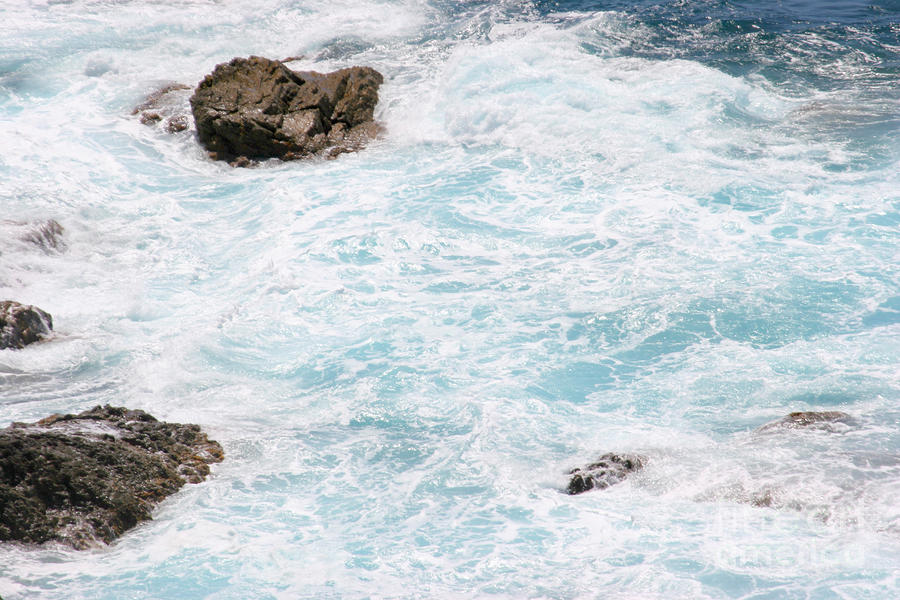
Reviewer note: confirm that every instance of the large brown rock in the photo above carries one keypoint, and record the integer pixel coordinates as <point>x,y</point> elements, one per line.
<point>86,478</point>
<point>22,324</point>
<point>255,107</point>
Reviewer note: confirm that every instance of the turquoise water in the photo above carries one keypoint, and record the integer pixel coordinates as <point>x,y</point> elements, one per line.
<point>589,227</point>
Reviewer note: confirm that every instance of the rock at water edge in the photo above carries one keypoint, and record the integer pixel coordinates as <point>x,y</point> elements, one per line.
<point>87,478</point>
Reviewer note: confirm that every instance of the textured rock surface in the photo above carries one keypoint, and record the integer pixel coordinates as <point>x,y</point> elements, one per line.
<point>608,470</point>
<point>831,420</point>
<point>258,108</point>
<point>85,478</point>
<point>22,324</point>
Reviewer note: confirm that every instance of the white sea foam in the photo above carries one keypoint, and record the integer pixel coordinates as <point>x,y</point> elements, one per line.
<point>558,249</point>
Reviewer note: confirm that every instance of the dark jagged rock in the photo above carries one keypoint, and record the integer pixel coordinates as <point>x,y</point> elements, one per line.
<point>258,108</point>
<point>22,324</point>
<point>831,420</point>
<point>86,478</point>
<point>608,470</point>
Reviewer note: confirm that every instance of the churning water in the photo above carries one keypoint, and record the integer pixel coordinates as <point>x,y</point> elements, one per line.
<point>589,227</point>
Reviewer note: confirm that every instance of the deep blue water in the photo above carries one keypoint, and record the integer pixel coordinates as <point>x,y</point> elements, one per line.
<point>589,227</point>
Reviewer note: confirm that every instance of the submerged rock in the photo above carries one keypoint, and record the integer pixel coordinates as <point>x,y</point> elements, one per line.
<point>86,478</point>
<point>46,235</point>
<point>608,470</point>
<point>167,104</point>
<point>258,108</point>
<point>22,324</point>
<point>765,495</point>
<point>831,420</point>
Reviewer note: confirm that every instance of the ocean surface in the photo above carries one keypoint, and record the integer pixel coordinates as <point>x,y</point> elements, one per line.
<point>589,227</point>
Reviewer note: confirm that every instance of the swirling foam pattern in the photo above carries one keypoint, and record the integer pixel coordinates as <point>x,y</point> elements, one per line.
<point>589,227</point>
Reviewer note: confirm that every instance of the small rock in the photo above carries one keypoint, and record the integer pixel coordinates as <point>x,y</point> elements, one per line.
<point>22,324</point>
<point>150,118</point>
<point>165,104</point>
<point>176,124</point>
<point>765,496</point>
<point>241,162</point>
<point>831,420</point>
<point>608,470</point>
<point>87,478</point>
